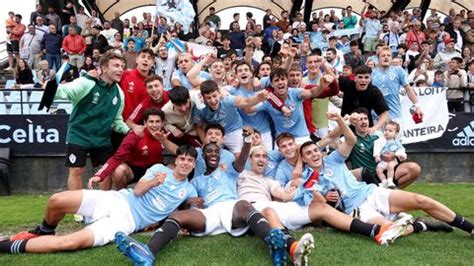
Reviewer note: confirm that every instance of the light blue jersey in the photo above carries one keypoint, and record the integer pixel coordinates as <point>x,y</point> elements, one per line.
<point>160,201</point>
<point>178,74</point>
<point>392,145</point>
<point>273,158</point>
<point>257,120</point>
<point>335,175</point>
<point>226,115</point>
<point>219,186</point>
<point>295,123</point>
<point>227,158</point>
<point>284,173</point>
<point>389,83</point>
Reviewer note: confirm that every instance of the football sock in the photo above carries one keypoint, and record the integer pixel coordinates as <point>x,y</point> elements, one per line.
<point>258,224</point>
<point>419,226</point>
<point>359,227</point>
<point>46,229</point>
<point>163,235</point>
<point>13,247</point>
<point>462,223</point>
<point>291,242</point>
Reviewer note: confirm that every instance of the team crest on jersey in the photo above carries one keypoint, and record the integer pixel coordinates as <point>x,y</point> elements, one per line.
<point>115,100</point>
<point>145,150</point>
<point>131,87</point>
<point>392,76</point>
<point>182,193</point>
<point>329,172</point>
<point>393,147</point>
<point>72,158</point>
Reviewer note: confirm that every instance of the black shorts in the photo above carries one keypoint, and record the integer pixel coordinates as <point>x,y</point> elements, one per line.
<point>371,177</point>
<point>138,172</point>
<point>76,155</point>
<point>13,47</point>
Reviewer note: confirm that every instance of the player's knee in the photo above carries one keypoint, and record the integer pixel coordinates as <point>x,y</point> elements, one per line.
<point>268,212</point>
<point>76,172</point>
<point>56,200</point>
<point>415,169</point>
<point>243,206</point>
<point>423,202</point>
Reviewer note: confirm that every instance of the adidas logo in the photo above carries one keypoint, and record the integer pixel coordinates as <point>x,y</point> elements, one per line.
<point>465,138</point>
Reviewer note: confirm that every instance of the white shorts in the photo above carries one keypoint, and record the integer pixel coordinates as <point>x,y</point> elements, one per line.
<point>234,141</point>
<point>106,212</point>
<point>384,164</point>
<point>376,205</point>
<point>291,214</point>
<point>219,220</point>
<point>267,140</point>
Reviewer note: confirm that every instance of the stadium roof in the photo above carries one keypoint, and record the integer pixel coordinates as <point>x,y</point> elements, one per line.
<point>109,7</point>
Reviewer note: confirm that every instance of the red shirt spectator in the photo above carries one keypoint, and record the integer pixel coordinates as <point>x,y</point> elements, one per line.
<point>74,43</point>
<point>415,35</point>
<point>17,31</point>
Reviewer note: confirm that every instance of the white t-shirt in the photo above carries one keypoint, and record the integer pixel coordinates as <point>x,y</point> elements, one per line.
<point>255,188</point>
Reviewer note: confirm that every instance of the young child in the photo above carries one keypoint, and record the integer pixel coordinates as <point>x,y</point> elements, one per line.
<point>438,81</point>
<point>388,146</point>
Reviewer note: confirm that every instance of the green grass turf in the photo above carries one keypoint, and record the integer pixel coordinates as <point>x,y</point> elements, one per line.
<point>332,247</point>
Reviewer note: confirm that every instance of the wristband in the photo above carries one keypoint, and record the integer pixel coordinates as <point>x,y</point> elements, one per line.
<point>416,105</point>
<point>248,139</point>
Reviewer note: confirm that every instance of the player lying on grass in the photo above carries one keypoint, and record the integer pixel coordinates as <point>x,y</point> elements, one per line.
<point>368,202</point>
<point>254,187</point>
<point>158,193</point>
<point>218,212</point>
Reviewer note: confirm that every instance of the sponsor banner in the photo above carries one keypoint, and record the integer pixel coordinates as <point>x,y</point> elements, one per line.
<point>30,135</point>
<point>458,137</point>
<point>435,109</point>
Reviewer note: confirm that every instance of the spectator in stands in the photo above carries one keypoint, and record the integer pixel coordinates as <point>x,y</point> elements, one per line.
<point>251,25</point>
<point>71,73</point>
<point>108,32</point>
<point>456,81</point>
<point>98,41</point>
<point>350,20</point>
<point>165,65</point>
<point>95,20</point>
<point>424,71</point>
<point>185,64</point>
<point>117,23</point>
<point>53,18</point>
<point>118,43</point>
<point>30,47</point>
<point>467,56</point>
<point>127,29</point>
<point>75,46</point>
<point>45,73</point>
<point>214,19</point>
<point>41,28</point>
<point>67,12</point>
<point>37,13</point>
<point>392,38</point>
<point>284,22</point>
<point>135,156</point>
<point>51,46</point>
<point>141,31</point>
<point>355,58</point>
<point>23,74</point>
<point>443,58</point>
<point>13,47</point>
<point>72,24</point>
<point>267,19</point>
<point>88,65</point>
<point>81,17</point>
<point>415,34</point>
<point>456,33</point>
<point>130,55</point>
<point>237,38</point>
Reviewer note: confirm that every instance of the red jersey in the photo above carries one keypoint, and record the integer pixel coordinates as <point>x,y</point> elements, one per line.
<point>137,114</point>
<point>142,152</point>
<point>134,90</point>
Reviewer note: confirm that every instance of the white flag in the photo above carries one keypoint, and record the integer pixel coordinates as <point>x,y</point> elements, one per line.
<point>180,11</point>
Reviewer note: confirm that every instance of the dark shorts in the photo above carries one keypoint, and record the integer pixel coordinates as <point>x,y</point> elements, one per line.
<point>13,47</point>
<point>138,172</point>
<point>371,177</point>
<point>76,155</point>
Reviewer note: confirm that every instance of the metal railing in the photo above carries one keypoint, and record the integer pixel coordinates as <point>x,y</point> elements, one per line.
<point>27,101</point>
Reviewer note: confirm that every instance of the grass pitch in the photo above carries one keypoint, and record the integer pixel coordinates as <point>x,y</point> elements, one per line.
<point>332,247</point>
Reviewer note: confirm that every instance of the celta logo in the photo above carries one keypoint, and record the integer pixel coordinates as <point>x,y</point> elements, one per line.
<point>465,138</point>
<point>32,134</point>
